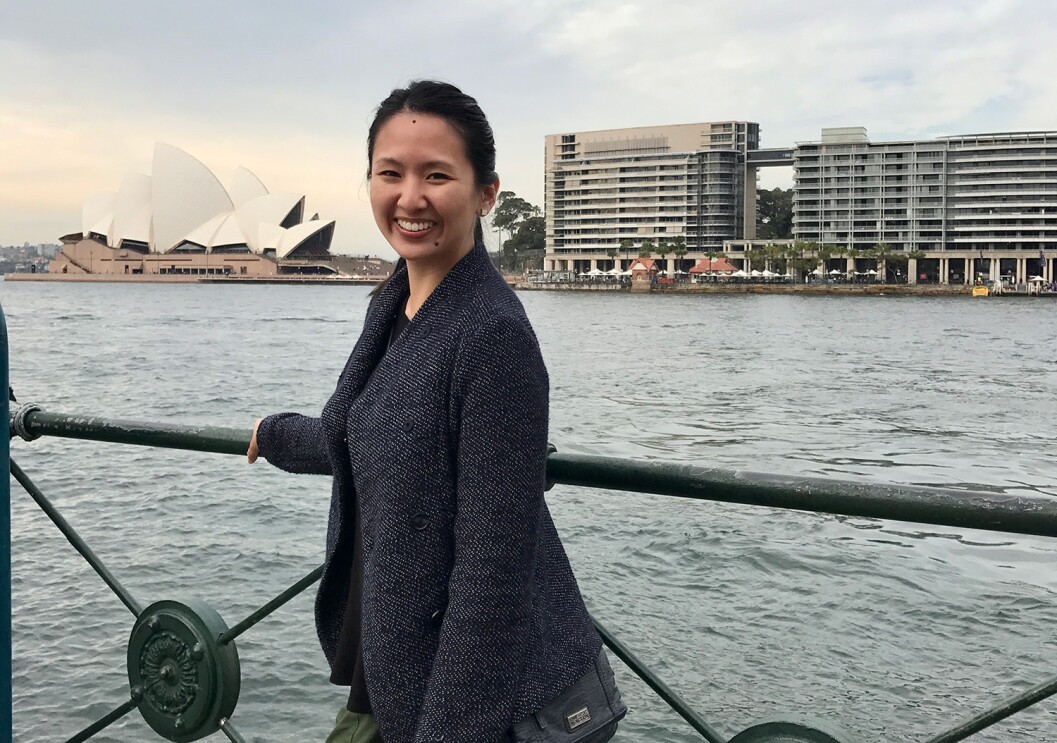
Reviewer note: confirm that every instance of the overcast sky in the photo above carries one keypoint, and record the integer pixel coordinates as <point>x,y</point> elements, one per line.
<point>287,89</point>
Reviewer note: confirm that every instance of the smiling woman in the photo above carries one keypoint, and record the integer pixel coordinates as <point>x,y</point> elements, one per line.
<point>425,195</point>
<point>447,604</point>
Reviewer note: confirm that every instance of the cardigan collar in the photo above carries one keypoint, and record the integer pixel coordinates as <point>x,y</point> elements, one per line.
<point>440,307</point>
<point>451,292</point>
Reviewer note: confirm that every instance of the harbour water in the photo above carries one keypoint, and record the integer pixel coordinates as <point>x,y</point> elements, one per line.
<point>890,631</point>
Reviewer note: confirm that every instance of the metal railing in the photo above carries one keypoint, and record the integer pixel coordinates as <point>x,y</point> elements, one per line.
<point>184,673</point>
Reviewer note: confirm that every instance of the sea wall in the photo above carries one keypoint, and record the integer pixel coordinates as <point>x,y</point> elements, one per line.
<point>154,278</point>
<point>728,288</point>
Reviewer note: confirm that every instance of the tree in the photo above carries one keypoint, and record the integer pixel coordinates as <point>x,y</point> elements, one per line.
<point>526,227</point>
<point>526,245</point>
<point>824,253</point>
<point>613,253</point>
<point>510,211</point>
<point>802,257</point>
<point>900,258</point>
<point>882,253</point>
<point>712,255</point>
<point>774,255</point>
<point>627,246</point>
<point>774,214</point>
<point>663,248</point>
<point>679,249</point>
<point>646,249</point>
<point>756,258</point>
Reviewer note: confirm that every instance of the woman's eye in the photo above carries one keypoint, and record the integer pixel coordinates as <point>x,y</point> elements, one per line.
<point>387,173</point>
<point>438,177</point>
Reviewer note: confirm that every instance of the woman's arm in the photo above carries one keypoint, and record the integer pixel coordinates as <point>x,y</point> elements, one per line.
<point>500,390</point>
<point>292,442</point>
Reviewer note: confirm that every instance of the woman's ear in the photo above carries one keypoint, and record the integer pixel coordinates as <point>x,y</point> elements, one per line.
<point>488,197</point>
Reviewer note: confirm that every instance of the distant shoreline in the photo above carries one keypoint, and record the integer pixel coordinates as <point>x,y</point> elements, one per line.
<point>102,278</point>
<point>938,290</point>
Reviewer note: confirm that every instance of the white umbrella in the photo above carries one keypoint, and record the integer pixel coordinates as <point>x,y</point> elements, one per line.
<point>625,273</point>
<point>739,274</point>
<point>834,272</point>
<point>755,274</point>
<point>817,272</point>
<point>614,271</point>
<point>768,274</point>
<point>584,274</point>
<point>595,272</point>
<point>871,272</point>
<point>1036,279</point>
<point>680,272</point>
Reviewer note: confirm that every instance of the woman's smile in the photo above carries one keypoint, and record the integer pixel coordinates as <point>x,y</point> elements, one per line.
<point>424,192</point>
<point>415,227</point>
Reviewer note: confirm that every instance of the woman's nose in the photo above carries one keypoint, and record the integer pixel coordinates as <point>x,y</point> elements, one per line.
<point>412,195</point>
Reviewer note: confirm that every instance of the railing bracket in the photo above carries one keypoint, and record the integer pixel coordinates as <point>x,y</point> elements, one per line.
<point>190,682</point>
<point>18,420</point>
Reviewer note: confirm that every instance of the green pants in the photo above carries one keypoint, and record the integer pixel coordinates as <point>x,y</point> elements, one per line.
<point>354,727</point>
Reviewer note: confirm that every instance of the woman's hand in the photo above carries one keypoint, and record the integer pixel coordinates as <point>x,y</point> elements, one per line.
<point>253,452</point>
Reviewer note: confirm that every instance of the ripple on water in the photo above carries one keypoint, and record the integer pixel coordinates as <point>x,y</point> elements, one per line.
<point>892,630</point>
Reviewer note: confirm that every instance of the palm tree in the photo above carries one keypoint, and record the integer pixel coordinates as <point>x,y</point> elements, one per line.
<point>802,258</point>
<point>613,253</point>
<point>627,246</point>
<point>755,257</point>
<point>679,248</point>
<point>712,255</point>
<point>824,253</point>
<point>663,248</point>
<point>646,249</point>
<point>882,253</point>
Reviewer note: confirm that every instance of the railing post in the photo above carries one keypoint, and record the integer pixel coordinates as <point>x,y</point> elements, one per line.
<point>5,546</point>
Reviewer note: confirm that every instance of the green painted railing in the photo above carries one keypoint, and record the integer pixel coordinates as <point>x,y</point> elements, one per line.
<point>184,668</point>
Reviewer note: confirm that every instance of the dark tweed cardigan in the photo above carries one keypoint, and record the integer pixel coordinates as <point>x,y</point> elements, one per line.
<point>471,615</point>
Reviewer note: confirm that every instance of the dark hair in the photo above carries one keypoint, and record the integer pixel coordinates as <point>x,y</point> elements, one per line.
<point>462,113</point>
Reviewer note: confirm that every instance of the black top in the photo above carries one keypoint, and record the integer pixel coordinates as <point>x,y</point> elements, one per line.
<point>348,661</point>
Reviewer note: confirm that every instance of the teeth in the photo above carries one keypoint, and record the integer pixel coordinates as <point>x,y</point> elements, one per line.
<point>414,226</point>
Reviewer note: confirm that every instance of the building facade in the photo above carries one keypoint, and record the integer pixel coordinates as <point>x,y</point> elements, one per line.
<point>978,207</point>
<point>606,190</point>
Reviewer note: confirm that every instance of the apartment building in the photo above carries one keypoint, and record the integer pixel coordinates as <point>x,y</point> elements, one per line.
<point>647,184</point>
<point>978,206</point>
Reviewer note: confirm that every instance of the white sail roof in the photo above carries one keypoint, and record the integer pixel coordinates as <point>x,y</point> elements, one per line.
<point>97,213</point>
<point>245,186</point>
<point>298,234</point>
<point>228,233</point>
<point>269,236</point>
<point>270,208</point>
<point>132,211</point>
<point>185,194</point>
<point>183,202</point>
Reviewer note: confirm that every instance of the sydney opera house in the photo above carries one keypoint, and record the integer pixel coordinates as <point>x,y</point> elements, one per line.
<point>180,221</point>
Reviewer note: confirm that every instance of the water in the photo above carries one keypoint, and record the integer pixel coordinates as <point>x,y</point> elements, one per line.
<point>890,630</point>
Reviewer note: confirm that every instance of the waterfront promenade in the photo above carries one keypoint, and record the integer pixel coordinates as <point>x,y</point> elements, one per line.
<point>820,289</point>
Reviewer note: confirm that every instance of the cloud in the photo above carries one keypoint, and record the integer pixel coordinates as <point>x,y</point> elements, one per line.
<point>288,90</point>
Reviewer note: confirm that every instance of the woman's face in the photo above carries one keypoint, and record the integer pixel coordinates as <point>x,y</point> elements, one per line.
<point>424,194</point>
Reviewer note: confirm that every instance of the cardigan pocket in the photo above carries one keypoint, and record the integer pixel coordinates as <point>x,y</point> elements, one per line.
<point>586,712</point>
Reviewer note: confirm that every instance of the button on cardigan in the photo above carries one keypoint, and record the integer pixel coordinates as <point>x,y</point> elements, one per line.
<point>472,618</point>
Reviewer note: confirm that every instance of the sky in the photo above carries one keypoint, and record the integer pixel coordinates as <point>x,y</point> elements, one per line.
<point>288,89</point>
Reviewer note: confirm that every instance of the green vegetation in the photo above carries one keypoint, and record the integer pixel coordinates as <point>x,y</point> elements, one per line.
<point>774,214</point>
<point>527,229</point>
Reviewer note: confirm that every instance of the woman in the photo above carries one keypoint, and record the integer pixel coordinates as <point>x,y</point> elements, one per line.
<point>447,603</point>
